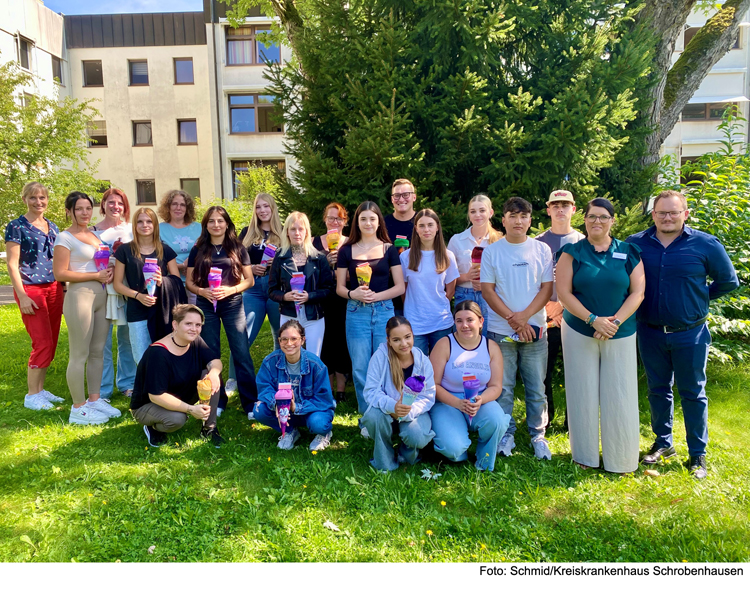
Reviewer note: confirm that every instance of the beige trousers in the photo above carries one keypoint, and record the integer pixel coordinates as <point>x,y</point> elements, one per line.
<point>85,310</point>
<point>601,385</point>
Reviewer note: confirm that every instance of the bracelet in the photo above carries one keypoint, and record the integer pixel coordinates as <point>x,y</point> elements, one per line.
<point>349,294</point>
<point>135,297</point>
<point>591,319</point>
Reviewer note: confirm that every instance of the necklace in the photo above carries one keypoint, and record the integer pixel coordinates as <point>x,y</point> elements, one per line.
<point>218,247</point>
<point>177,344</point>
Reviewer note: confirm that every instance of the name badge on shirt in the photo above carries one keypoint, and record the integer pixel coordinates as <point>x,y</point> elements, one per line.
<point>619,255</point>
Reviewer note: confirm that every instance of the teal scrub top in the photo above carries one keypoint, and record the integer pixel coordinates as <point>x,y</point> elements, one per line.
<point>601,281</point>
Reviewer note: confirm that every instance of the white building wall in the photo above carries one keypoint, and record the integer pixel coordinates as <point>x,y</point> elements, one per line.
<point>162,102</point>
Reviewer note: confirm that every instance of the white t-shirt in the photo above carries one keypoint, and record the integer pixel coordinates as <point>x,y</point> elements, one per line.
<point>426,306</point>
<point>81,254</point>
<point>518,271</point>
<point>461,246</point>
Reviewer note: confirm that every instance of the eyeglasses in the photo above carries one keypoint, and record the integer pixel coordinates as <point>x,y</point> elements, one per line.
<point>598,218</point>
<point>334,220</point>
<point>290,340</point>
<point>402,196</point>
<point>673,214</point>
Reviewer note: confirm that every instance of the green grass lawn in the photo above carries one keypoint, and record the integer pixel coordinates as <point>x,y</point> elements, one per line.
<point>100,494</point>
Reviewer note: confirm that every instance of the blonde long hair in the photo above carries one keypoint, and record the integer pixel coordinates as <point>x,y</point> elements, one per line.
<point>254,233</point>
<point>397,374</point>
<point>307,244</point>
<point>494,235</point>
<point>415,250</point>
<point>135,245</point>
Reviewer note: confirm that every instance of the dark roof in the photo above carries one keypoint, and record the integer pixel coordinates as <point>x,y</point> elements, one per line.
<point>135,30</point>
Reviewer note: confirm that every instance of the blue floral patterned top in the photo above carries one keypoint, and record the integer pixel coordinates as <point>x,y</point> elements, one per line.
<point>35,262</point>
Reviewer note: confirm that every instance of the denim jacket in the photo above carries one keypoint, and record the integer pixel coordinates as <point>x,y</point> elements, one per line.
<point>380,391</point>
<point>318,283</point>
<point>314,392</point>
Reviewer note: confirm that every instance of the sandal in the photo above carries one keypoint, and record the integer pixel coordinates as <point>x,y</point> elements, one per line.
<point>128,393</point>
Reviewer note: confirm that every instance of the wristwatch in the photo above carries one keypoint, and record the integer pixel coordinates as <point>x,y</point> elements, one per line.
<point>617,322</point>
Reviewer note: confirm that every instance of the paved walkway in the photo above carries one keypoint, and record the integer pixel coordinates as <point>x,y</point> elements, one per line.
<point>6,295</point>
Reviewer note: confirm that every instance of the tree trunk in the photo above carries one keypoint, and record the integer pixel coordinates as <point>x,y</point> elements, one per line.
<point>677,83</point>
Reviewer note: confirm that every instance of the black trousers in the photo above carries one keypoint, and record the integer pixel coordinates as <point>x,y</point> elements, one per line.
<point>554,344</point>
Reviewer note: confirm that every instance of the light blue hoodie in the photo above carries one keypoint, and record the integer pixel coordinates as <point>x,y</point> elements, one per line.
<point>381,393</point>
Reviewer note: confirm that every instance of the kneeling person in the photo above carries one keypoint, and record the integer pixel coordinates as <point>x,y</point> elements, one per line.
<point>390,369</point>
<point>166,382</point>
<point>312,405</point>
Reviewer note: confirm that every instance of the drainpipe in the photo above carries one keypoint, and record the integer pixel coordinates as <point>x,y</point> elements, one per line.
<point>216,99</point>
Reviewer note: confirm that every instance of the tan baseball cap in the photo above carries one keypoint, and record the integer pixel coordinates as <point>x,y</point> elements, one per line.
<point>561,195</point>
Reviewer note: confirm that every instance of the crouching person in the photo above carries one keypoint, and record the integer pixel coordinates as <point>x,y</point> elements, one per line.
<point>391,366</point>
<point>166,381</point>
<point>312,405</point>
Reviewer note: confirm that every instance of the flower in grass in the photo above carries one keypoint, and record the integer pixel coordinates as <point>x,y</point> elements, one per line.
<point>443,503</point>
<point>482,547</point>
<point>519,492</point>
<point>429,532</point>
<point>304,486</point>
<point>315,453</point>
<point>91,495</point>
<point>269,458</point>
<point>104,502</point>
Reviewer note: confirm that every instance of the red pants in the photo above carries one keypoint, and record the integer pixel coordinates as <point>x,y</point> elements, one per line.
<point>44,325</point>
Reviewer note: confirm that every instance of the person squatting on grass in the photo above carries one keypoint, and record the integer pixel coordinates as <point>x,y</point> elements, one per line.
<point>29,242</point>
<point>468,353</point>
<point>166,381</point>
<point>393,363</point>
<point>312,405</point>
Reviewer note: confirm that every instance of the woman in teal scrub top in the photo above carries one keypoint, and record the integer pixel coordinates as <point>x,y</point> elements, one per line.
<point>600,282</point>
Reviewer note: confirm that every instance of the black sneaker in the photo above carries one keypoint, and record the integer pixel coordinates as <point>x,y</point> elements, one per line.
<point>656,453</point>
<point>213,435</point>
<point>697,467</point>
<point>155,438</point>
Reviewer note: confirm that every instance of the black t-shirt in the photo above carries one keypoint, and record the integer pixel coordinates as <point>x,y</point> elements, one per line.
<point>136,311</point>
<point>255,250</point>
<point>381,268</point>
<point>159,372</point>
<point>408,371</point>
<point>398,228</point>
<point>222,261</point>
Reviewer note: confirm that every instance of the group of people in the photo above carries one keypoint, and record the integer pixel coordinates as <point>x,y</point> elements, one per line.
<point>376,304</point>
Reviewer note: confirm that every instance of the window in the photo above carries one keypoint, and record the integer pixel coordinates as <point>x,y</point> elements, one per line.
<point>191,186</point>
<point>240,166</point>
<point>24,53</point>
<point>691,31</point>
<point>253,113</point>
<point>57,70</point>
<point>244,48</point>
<point>97,131</point>
<point>705,111</point>
<point>183,70</point>
<point>142,133</point>
<point>138,73</point>
<point>26,99</point>
<point>187,132</point>
<point>92,73</point>
<point>146,192</point>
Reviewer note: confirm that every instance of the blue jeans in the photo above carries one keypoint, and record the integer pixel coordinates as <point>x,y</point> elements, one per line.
<point>126,365</point>
<point>426,342</point>
<point>231,314</point>
<point>318,422</point>
<point>679,357</point>
<point>365,331</point>
<point>531,360</point>
<point>414,436</point>
<point>452,432</point>
<point>140,338</point>
<point>468,293</point>
<point>257,306</point>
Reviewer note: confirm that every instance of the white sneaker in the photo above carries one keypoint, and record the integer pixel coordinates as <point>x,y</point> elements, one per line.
<point>104,407</point>
<point>288,440</point>
<point>364,433</point>
<point>541,449</point>
<point>506,445</point>
<point>219,411</point>
<point>321,442</point>
<point>37,402</point>
<point>85,415</point>
<point>51,397</point>
<point>230,387</point>
<point>251,416</point>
